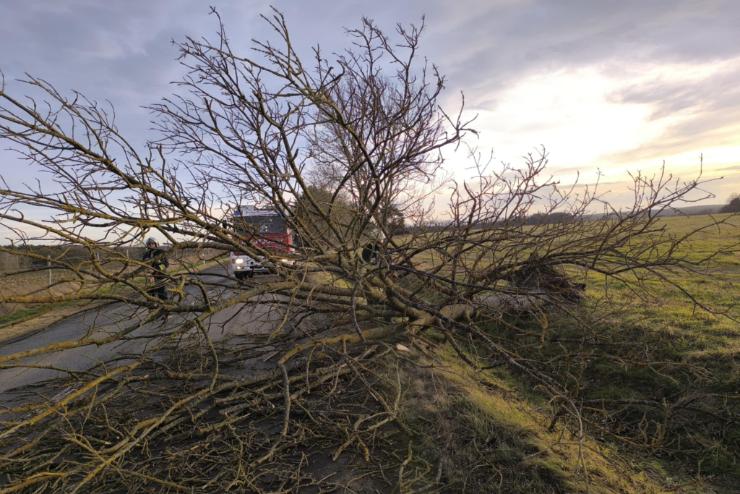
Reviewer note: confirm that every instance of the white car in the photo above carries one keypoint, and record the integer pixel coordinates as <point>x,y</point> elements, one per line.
<point>242,266</point>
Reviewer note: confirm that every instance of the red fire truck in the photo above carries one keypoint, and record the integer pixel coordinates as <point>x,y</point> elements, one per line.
<point>264,228</point>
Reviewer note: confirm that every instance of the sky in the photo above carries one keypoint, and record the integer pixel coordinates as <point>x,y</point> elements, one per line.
<point>606,87</point>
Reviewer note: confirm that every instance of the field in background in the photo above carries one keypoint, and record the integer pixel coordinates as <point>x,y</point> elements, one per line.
<point>715,312</point>
<point>37,280</point>
<point>657,377</point>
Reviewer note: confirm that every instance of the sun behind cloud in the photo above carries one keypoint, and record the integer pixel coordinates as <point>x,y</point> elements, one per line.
<point>615,118</point>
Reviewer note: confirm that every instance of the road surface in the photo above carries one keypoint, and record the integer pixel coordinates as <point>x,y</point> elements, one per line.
<point>19,376</point>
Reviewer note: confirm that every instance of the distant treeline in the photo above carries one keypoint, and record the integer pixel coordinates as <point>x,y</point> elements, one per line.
<point>535,219</point>
<point>563,217</point>
<point>16,258</point>
<point>29,257</point>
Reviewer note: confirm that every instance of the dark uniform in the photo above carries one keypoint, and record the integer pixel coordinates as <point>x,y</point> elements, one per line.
<point>371,253</point>
<point>157,259</point>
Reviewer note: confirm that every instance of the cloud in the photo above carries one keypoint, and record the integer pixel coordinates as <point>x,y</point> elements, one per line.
<point>505,41</point>
<point>637,79</point>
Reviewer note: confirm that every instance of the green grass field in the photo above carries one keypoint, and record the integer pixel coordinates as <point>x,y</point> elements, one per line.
<point>654,374</point>
<point>712,328</point>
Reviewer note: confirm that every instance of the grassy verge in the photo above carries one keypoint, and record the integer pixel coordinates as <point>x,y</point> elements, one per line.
<point>467,431</point>
<point>23,314</point>
<point>653,375</point>
<point>665,395</point>
<point>655,378</point>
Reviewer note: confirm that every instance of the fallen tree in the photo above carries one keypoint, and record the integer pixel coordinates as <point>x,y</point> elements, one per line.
<point>365,128</point>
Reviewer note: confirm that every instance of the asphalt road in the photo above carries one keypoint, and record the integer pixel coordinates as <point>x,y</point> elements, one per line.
<point>19,375</point>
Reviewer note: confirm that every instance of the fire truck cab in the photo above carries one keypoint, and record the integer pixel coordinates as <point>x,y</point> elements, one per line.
<point>266,229</point>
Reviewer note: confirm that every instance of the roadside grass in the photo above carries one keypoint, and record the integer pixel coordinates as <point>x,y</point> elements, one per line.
<point>34,282</point>
<point>666,396</point>
<point>656,418</point>
<point>657,377</point>
<point>655,374</point>
<point>471,431</point>
<point>16,315</point>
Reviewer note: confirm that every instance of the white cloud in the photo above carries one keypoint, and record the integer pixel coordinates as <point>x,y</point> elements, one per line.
<point>568,112</point>
<point>609,118</point>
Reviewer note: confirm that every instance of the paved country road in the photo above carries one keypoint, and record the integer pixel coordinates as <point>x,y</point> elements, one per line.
<point>18,376</point>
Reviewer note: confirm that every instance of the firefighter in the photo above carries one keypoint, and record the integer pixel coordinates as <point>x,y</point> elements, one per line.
<point>371,253</point>
<point>157,260</point>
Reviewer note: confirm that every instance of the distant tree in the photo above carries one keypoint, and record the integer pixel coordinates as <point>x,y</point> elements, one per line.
<point>391,217</point>
<point>545,218</point>
<point>733,206</point>
<point>323,218</point>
